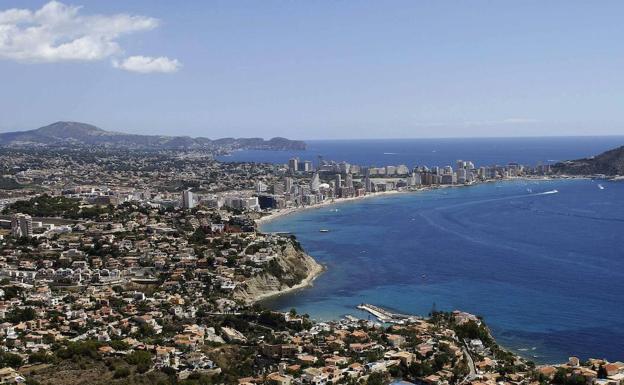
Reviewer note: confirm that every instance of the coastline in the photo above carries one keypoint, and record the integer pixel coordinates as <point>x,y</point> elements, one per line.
<point>292,210</point>
<point>275,214</point>
<point>308,281</point>
<point>313,274</point>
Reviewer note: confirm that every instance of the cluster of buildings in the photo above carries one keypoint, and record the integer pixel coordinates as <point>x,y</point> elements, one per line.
<point>304,186</point>
<point>155,274</point>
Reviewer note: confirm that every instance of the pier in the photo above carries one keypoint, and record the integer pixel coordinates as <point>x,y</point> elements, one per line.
<point>386,316</point>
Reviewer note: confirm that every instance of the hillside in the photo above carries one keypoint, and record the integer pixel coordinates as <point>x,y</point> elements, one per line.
<point>83,134</point>
<point>290,270</point>
<point>609,163</point>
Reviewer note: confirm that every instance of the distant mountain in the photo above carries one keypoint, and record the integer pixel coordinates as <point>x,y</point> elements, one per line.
<point>82,134</point>
<point>609,163</point>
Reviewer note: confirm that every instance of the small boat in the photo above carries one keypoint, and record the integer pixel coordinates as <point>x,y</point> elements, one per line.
<point>530,191</point>
<point>601,187</point>
<point>324,231</point>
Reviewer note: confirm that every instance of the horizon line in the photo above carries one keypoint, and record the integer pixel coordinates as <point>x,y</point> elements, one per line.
<point>476,137</point>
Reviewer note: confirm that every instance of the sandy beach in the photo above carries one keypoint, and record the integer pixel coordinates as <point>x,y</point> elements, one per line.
<point>291,210</point>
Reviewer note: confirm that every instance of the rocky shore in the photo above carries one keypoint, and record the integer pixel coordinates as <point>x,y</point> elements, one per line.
<point>291,270</point>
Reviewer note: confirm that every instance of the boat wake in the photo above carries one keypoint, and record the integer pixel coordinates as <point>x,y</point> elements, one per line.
<point>548,192</point>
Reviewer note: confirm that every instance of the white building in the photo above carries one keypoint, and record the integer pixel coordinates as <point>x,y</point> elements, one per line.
<point>21,225</point>
<point>187,199</point>
<point>315,183</point>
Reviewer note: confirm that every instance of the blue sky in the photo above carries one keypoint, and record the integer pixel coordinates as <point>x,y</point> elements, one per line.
<point>316,69</point>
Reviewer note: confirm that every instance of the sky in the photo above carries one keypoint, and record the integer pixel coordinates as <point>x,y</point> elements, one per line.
<point>315,69</point>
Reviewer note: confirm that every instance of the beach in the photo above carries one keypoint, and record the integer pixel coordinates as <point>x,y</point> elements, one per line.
<point>274,214</point>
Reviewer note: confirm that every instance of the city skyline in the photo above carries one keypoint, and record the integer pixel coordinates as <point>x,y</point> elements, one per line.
<point>313,70</point>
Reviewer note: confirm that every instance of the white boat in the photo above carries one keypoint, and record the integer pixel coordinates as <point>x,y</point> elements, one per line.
<point>601,187</point>
<point>324,231</point>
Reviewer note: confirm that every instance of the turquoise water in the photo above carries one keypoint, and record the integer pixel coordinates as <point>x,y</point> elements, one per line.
<point>545,270</point>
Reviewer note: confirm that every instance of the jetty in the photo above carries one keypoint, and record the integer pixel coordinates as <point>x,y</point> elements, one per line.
<point>387,316</point>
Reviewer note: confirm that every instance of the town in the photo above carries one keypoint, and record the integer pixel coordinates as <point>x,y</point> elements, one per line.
<point>148,267</point>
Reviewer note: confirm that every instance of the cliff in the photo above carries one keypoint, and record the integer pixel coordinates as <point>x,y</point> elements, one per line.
<point>609,163</point>
<point>290,270</point>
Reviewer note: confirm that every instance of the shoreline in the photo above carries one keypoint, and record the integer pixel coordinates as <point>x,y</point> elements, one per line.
<point>275,214</point>
<point>313,274</point>
<point>292,210</point>
<point>308,281</point>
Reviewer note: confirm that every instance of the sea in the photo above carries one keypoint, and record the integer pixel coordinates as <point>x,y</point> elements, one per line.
<point>439,152</point>
<point>541,261</point>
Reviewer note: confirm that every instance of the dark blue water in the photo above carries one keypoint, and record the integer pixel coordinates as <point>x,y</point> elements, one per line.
<point>441,152</point>
<point>546,271</point>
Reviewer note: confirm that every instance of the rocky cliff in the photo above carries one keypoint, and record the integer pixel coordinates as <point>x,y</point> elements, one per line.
<point>609,163</point>
<point>290,270</point>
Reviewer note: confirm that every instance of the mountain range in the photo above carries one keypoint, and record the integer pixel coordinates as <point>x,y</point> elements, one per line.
<point>83,134</point>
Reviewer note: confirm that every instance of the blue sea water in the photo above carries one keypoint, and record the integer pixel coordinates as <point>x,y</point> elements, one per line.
<point>545,270</point>
<point>440,152</point>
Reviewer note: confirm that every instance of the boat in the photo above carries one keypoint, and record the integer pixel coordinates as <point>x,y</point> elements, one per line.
<point>530,191</point>
<point>324,231</point>
<point>601,187</point>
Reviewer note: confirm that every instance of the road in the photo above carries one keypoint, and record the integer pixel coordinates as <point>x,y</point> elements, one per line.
<point>471,366</point>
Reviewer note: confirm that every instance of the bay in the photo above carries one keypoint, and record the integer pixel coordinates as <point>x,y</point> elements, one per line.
<point>545,270</point>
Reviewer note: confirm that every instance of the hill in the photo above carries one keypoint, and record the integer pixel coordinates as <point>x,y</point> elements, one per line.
<point>83,134</point>
<point>609,163</point>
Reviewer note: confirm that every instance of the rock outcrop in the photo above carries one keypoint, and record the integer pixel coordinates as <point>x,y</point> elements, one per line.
<point>290,270</point>
<point>609,163</point>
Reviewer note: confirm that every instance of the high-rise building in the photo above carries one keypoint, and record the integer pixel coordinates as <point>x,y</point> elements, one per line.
<point>293,164</point>
<point>402,169</point>
<point>344,167</point>
<point>261,187</point>
<point>337,185</point>
<point>315,183</point>
<point>414,179</point>
<point>462,176</point>
<point>349,181</point>
<point>21,225</point>
<point>368,185</point>
<point>187,199</point>
<point>278,189</point>
<point>288,181</point>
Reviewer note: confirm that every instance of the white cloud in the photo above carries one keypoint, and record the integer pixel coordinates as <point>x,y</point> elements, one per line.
<point>147,64</point>
<point>58,32</point>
